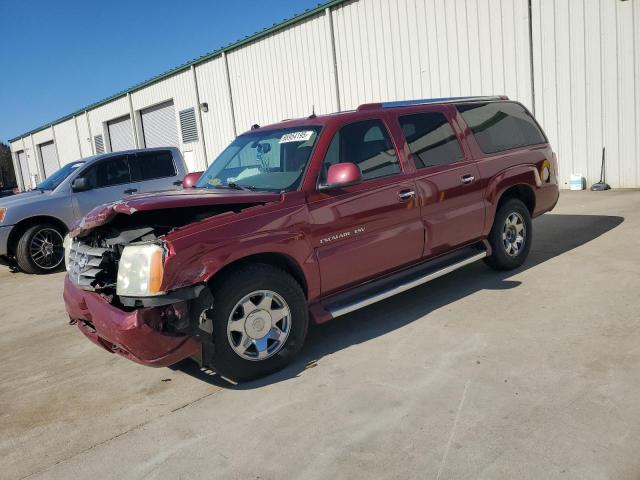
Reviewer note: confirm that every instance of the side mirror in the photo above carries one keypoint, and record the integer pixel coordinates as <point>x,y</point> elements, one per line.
<point>80,185</point>
<point>191,179</point>
<point>342,175</point>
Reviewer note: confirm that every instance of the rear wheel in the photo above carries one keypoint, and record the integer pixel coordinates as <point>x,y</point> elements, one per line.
<point>260,320</point>
<point>40,249</point>
<point>510,236</point>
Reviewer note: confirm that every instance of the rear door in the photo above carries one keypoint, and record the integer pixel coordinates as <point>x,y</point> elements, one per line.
<point>447,178</point>
<point>361,231</point>
<point>109,180</point>
<point>154,170</point>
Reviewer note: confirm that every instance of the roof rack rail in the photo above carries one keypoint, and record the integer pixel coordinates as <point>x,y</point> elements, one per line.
<point>428,101</point>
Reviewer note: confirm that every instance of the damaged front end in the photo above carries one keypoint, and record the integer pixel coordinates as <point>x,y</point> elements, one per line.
<point>115,292</point>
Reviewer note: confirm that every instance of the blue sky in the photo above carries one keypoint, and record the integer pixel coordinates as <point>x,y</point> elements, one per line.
<point>59,56</point>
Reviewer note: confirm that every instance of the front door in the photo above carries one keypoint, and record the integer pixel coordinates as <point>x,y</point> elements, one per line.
<point>447,179</point>
<point>109,180</point>
<point>367,229</point>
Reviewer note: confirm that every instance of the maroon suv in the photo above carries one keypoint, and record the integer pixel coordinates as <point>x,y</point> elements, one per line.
<point>306,220</point>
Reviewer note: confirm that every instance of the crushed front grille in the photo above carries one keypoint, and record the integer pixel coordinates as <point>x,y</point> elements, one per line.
<point>91,268</point>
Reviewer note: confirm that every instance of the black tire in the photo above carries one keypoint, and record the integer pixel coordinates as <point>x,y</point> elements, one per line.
<point>233,288</point>
<point>23,252</point>
<point>503,256</point>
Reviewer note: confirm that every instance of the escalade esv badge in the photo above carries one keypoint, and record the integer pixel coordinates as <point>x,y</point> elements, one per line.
<point>342,235</point>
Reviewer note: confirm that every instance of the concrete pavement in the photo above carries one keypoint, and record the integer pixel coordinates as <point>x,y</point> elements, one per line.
<point>526,374</point>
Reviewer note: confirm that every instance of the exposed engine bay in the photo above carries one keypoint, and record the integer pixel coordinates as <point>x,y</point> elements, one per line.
<point>93,258</point>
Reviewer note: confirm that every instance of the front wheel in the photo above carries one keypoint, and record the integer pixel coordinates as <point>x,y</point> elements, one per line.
<point>40,249</point>
<point>260,320</point>
<point>510,236</point>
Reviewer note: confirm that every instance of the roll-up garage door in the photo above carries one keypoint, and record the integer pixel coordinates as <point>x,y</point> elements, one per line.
<point>49,158</point>
<point>121,134</point>
<point>24,169</point>
<point>159,126</point>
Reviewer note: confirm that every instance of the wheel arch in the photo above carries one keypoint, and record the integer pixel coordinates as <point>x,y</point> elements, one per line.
<point>276,259</point>
<point>20,227</point>
<point>521,191</point>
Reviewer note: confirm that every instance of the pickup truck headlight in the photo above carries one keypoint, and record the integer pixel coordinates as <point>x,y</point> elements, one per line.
<point>140,271</point>
<point>3,212</point>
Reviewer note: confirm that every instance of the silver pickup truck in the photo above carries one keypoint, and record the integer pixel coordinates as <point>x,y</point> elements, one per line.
<point>33,224</point>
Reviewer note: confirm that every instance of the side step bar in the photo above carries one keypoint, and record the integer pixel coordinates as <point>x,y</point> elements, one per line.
<point>378,290</point>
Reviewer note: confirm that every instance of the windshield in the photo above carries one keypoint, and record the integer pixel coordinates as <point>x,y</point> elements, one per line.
<point>273,160</point>
<point>56,178</point>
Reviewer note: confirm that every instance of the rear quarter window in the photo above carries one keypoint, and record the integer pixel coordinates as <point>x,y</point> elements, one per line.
<point>499,126</point>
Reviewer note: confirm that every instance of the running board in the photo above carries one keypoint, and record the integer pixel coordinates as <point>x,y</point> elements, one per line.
<point>378,290</point>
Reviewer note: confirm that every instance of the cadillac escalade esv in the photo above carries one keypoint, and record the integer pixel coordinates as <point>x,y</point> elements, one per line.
<point>304,221</point>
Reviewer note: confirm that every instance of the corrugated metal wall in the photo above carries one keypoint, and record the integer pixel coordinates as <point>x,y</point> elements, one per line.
<point>68,150</point>
<point>432,48</point>
<point>584,56</point>
<point>284,75</point>
<point>587,78</point>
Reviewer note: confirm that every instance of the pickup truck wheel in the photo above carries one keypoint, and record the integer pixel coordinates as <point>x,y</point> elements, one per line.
<point>40,249</point>
<point>260,319</point>
<point>510,236</point>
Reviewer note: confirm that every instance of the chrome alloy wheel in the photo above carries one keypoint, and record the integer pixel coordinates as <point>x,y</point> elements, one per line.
<point>46,249</point>
<point>259,325</point>
<point>514,234</point>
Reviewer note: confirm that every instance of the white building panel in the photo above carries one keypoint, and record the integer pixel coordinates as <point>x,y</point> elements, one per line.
<point>180,89</point>
<point>432,48</point>
<point>67,141</point>
<point>22,175</point>
<point>217,123</point>
<point>587,86</point>
<point>98,117</point>
<point>285,75</point>
<point>33,161</point>
<point>86,149</point>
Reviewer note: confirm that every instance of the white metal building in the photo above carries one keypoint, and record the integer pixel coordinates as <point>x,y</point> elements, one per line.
<point>574,63</point>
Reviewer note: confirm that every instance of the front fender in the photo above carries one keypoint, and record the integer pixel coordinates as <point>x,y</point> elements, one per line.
<point>200,261</point>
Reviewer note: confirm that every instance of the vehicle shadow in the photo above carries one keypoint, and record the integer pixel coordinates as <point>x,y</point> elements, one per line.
<point>553,235</point>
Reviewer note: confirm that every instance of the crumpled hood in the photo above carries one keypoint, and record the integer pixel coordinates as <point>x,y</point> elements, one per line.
<point>170,199</point>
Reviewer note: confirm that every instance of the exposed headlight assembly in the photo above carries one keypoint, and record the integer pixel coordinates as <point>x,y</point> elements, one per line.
<point>67,250</point>
<point>140,271</point>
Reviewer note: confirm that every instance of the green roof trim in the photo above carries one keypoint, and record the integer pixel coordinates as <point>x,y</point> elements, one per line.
<point>310,12</point>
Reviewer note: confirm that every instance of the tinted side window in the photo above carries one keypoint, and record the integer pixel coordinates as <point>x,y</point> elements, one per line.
<point>114,171</point>
<point>150,165</point>
<point>501,126</point>
<point>431,139</point>
<point>367,144</point>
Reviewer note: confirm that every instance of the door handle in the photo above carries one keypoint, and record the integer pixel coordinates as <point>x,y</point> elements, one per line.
<point>405,195</point>
<point>467,179</point>
<point>130,191</point>
<point>177,183</point>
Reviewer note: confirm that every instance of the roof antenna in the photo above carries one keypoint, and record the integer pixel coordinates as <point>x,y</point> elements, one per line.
<point>313,112</point>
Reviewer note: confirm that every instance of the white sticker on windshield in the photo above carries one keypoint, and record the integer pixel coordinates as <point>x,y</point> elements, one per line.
<point>303,136</point>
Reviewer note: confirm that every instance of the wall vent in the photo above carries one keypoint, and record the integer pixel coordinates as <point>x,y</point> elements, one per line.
<point>188,125</point>
<point>99,142</point>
